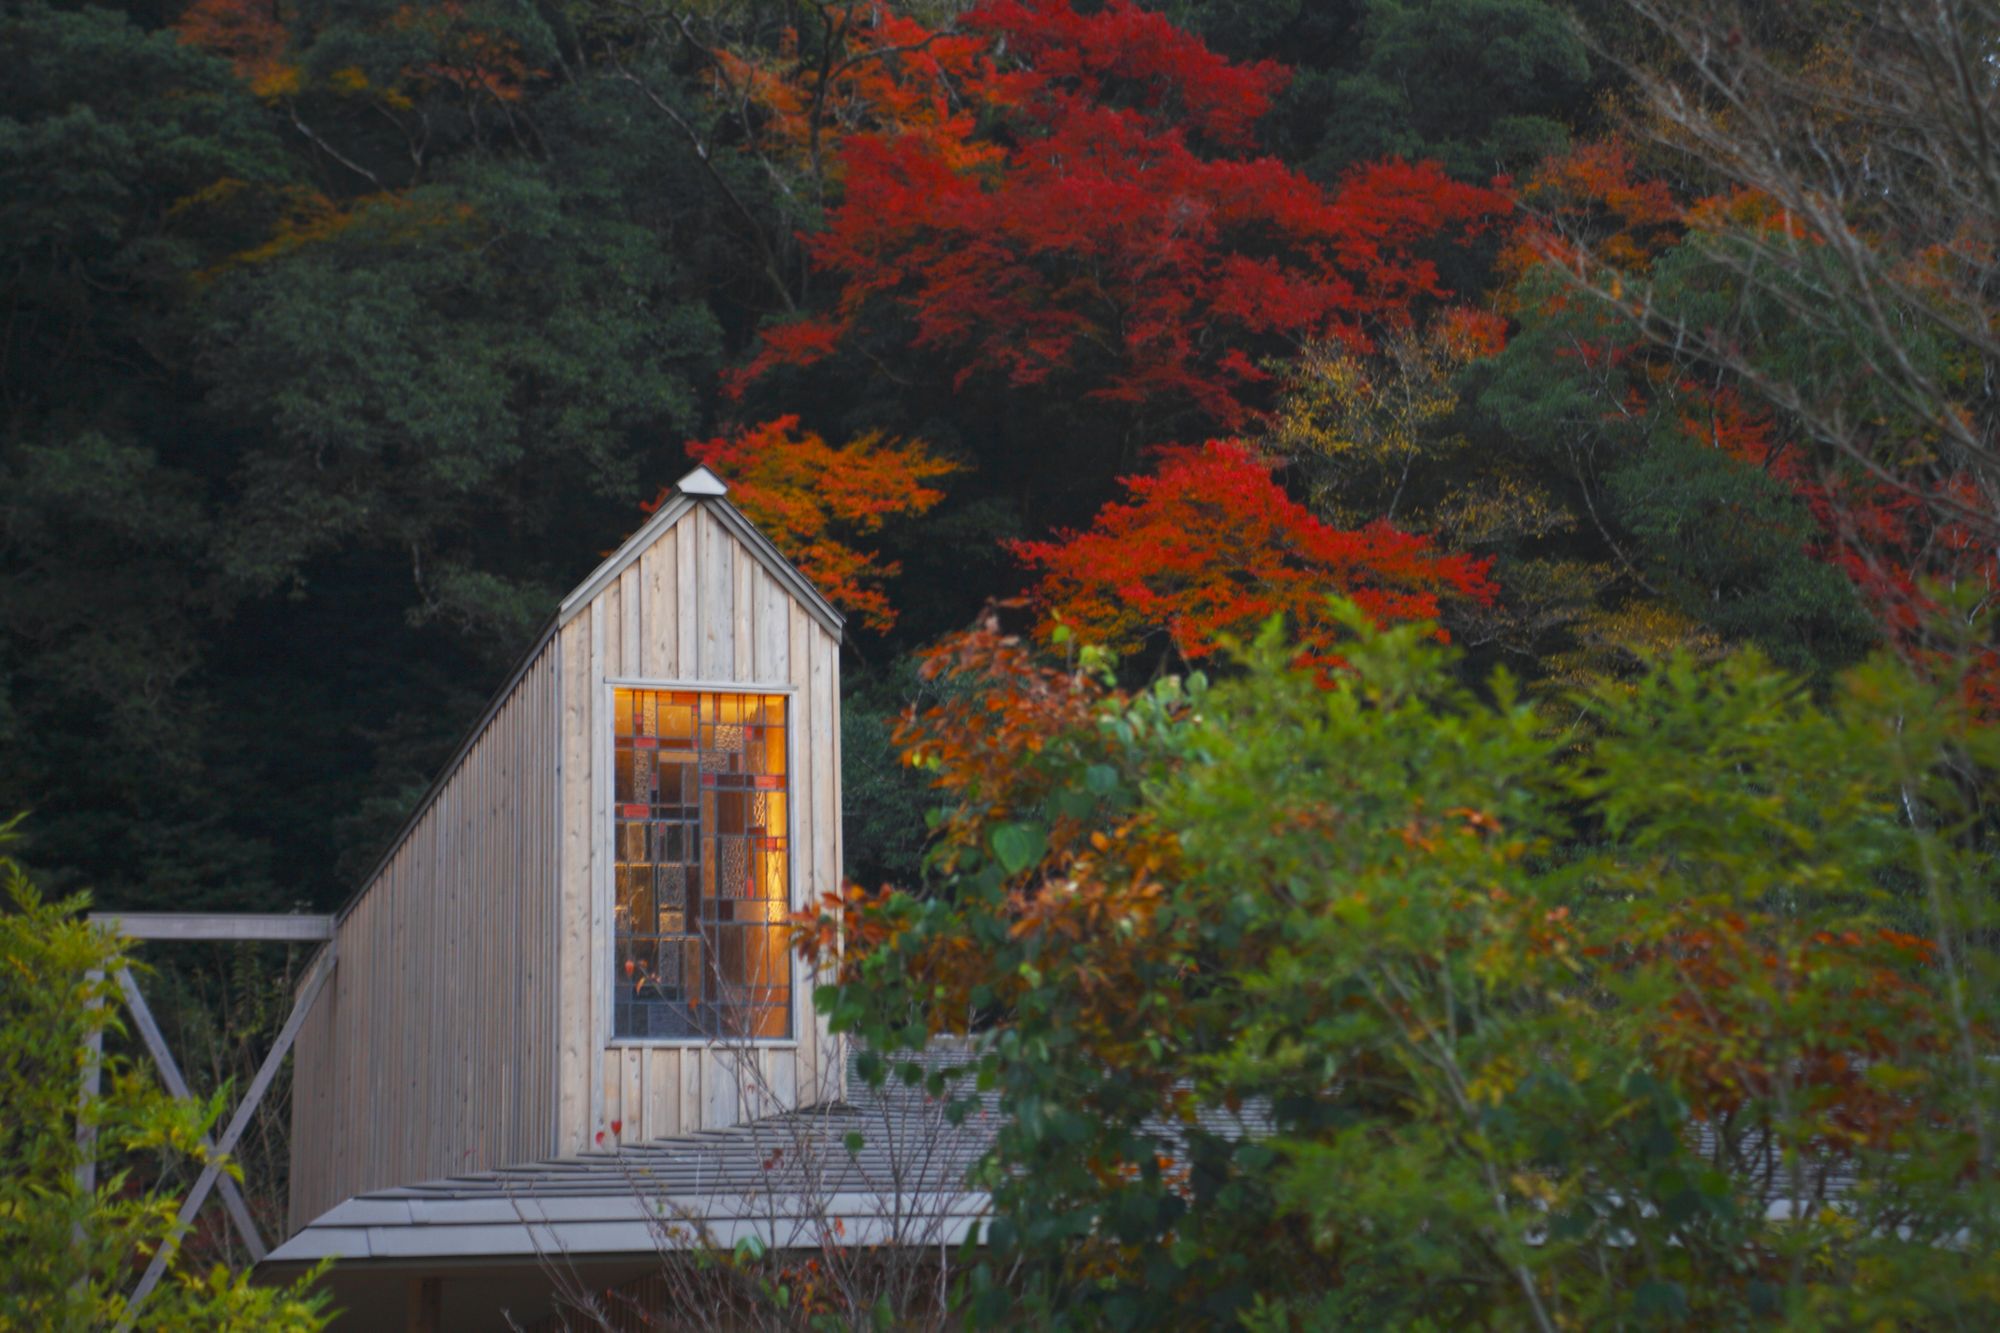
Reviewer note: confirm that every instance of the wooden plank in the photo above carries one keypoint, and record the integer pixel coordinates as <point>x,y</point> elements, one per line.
<point>773,652</point>
<point>532,924</point>
<point>659,655</point>
<point>275,926</point>
<point>573,1003</point>
<point>719,1083</point>
<point>536,1132</point>
<point>822,1038</point>
<point>503,925</point>
<point>802,632</point>
<point>443,945</point>
<point>599,885</point>
<point>687,598</point>
<point>170,1074</point>
<point>742,611</point>
<point>631,646</point>
<point>610,611</point>
<point>645,1116</point>
<point>632,1103</point>
<point>365,984</point>
<point>549,1082</point>
<point>780,1075</point>
<point>663,1091</point>
<point>610,1098</point>
<point>718,583</point>
<point>691,1063</point>
<point>825,811</point>
<point>451,993</point>
<point>820,755</point>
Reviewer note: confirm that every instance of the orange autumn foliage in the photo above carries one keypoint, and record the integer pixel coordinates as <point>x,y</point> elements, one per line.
<point>250,34</point>
<point>255,36</point>
<point>888,73</point>
<point>1001,710</point>
<point>815,501</point>
<point>1593,189</point>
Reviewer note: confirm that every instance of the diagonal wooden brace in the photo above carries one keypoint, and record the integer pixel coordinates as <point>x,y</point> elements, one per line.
<point>315,980</point>
<point>170,1074</point>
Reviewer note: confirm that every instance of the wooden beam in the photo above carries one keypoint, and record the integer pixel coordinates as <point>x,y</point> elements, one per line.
<point>170,1073</point>
<point>315,981</point>
<point>216,926</point>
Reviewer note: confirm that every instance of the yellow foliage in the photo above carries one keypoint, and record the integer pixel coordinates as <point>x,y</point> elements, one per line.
<point>310,218</point>
<point>1370,417</point>
<point>1375,431</point>
<point>1373,434</point>
<point>1615,642</point>
<point>277,81</point>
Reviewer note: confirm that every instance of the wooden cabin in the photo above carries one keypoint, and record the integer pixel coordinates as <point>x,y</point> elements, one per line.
<point>578,940</point>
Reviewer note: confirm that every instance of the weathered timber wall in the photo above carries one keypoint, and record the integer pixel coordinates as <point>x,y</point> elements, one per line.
<point>432,1051</point>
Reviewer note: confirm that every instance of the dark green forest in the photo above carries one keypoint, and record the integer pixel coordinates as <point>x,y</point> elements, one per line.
<point>322,385</point>
<point>342,339</point>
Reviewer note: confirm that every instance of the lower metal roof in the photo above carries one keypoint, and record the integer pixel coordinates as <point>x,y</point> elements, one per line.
<point>887,1168</point>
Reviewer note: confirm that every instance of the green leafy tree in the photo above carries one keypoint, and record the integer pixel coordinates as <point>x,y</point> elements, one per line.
<point>73,1253</point>
<point>1648,463</point>
<point>271,423</point>
<point>125,162</point>
<point>1483,86</point>
<point>1388,1005</point>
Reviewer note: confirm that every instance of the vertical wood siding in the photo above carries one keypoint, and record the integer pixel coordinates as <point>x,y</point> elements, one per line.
<point>697,607</point>
<point>467,1025</point>
<point>433,1050</point>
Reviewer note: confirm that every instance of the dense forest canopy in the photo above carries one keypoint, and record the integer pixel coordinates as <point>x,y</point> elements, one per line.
<point>342,338</point>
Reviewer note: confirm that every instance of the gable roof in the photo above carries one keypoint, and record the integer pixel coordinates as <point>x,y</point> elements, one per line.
<point>702,487</point>
<point>699,487</point>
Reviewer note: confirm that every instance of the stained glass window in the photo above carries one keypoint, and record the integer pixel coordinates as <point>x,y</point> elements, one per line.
<point>703,866</point>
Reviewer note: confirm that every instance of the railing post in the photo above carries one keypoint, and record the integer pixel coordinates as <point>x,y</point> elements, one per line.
<point>91,1082</point>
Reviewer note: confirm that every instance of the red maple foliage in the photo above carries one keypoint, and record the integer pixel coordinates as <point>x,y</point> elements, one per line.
<point>1211,546</point>
<point>1115,227</point>
<point>815,501</point>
